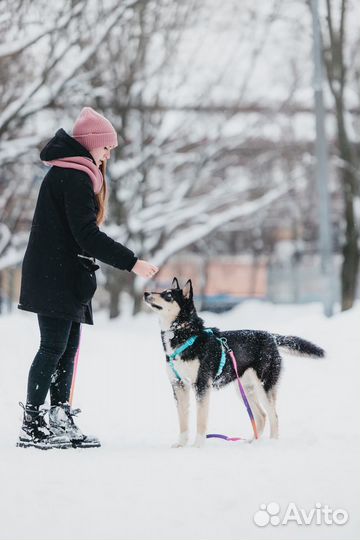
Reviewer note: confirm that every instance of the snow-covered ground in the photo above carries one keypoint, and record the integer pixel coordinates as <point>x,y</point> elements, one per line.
<point>136,486</point>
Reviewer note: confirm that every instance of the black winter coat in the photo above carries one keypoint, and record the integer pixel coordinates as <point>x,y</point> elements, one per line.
<point>64,225</point>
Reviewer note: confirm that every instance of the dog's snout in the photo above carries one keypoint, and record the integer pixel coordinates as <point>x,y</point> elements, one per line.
<point>146,294</point>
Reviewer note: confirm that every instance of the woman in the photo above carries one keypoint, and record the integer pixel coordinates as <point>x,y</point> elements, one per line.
<point>58,272</point>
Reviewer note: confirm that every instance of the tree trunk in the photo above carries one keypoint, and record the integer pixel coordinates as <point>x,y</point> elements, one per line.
<point>138,303</point>
<point>115,284</point>
<point>350,265</point>
<point>336,71</point>
<point>114,305</point>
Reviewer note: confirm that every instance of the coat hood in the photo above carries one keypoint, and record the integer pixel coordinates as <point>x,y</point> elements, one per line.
<point>63,145</point>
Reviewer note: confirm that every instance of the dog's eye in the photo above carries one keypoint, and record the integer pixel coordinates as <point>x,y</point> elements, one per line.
<point>168,296</point>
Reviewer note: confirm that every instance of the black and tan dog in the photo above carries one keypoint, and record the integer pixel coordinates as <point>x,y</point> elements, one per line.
<point>256,352</point>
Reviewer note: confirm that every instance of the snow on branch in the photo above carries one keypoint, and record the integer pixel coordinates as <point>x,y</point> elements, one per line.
<point>16,47</point>
<point>193,233</point>
<point>11,149</point>
<point>28,103</point>
<point>84,57</point>
<point>176,212</point>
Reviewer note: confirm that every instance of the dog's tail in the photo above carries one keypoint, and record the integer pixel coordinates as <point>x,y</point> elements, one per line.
<point>299,346</point>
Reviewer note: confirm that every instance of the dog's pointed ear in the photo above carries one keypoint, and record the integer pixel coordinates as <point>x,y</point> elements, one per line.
<point>188,290</point>
<point>175,284</point>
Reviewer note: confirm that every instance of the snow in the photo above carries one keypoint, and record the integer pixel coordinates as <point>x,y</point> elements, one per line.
<point>136,486</point>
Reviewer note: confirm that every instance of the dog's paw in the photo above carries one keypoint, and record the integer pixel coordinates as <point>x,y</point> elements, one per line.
<point>199,441</point>
<point>182,440</point>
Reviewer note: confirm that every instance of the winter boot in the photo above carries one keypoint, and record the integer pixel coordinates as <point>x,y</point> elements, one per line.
<point>62,422</point>
<point>36,433</point>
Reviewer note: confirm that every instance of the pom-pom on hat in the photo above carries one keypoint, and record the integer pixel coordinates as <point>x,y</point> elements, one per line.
<point>93,130</point>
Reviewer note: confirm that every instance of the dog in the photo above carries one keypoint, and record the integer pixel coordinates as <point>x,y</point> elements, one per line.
<point>256,352</point>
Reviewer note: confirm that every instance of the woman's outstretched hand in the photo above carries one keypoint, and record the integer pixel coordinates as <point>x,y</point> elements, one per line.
<point>144,269</point>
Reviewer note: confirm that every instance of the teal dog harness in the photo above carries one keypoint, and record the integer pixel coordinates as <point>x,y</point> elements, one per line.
<point>189,343</point>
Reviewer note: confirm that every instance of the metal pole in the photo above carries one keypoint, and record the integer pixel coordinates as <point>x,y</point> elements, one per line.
<point>322,170</point>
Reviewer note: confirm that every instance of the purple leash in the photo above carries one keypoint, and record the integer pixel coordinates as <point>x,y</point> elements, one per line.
<point>246,403</point>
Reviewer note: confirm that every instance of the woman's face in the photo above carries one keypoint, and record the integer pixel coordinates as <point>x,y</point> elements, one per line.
<point>101,154</point>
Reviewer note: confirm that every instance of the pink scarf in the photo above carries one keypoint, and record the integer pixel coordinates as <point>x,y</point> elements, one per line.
<point>82,164</point>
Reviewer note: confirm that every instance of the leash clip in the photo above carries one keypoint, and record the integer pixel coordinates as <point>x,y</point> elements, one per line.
<point>225,344</point>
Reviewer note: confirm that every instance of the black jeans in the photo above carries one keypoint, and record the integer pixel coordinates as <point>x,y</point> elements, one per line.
<point>53,365</point>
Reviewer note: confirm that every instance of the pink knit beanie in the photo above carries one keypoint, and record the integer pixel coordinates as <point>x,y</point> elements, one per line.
<point>93,130</point>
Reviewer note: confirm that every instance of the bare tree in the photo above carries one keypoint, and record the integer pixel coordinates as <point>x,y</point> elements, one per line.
<point>338,77</point>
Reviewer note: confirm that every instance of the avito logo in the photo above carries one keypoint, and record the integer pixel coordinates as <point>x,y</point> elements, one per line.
<point>318,515</point>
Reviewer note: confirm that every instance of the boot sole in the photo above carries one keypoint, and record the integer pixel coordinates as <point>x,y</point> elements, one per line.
<point>82,444</point>
<point>40,446</point>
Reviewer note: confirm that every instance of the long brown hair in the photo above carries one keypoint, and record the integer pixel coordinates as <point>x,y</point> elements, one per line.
<point>102,196</point>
